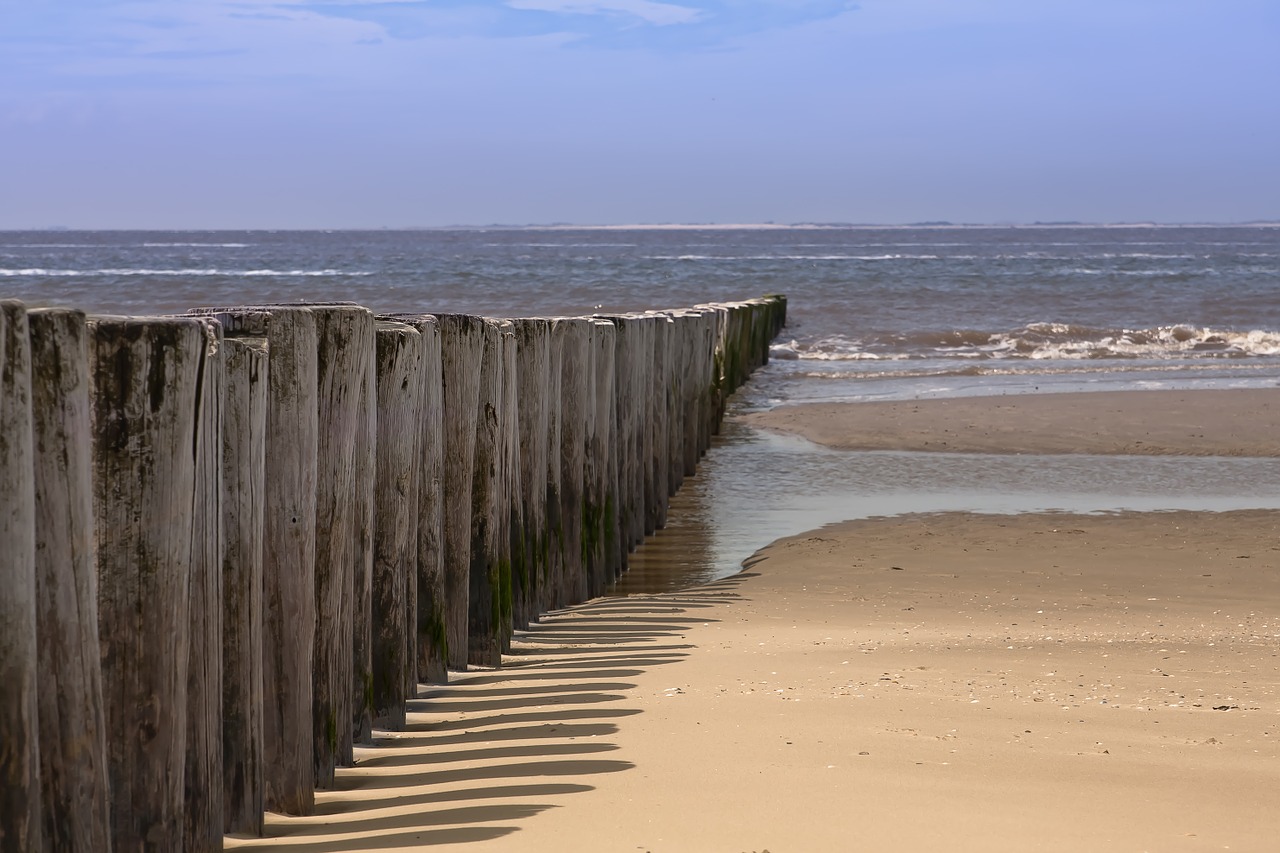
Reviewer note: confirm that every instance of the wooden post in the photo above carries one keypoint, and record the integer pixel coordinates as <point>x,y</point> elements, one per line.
<point>73,757</point>
<point>203,815</point>
<point>20,785</point>
<point>429,609</point>
<point>676,367</point>
<point>512,531</point>
<point>659,421</point>
<point>360,683</point>
<point>146,378</point>
<point>628,427</point>
<point>685,331</point>
<point>698,382</point>
<point>620,443</point>
<point>345,341</point>
<point>289,547</point>
<point>647,402</point>
<point>552,593</point>
<point>602,462</point>
<point>396,502</point>
<point>530,565</point>
<point>424,591</point>
<point>714,408</point>
<point>461,353</point>
<point>575,406</point>
<point>244,435</point>
<point>486,498</point>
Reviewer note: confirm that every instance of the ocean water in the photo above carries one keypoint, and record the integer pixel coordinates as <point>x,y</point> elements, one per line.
<point>873,313</point>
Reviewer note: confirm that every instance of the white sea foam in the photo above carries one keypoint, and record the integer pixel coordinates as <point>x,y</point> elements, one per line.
<point>196,245</point>
<point>559,245</point>
<point>791,257</point>
<point>1041,342</point>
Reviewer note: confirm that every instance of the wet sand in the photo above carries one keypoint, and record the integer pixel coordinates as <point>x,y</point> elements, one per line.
<point>949,681</point>
<point>1190,423</point>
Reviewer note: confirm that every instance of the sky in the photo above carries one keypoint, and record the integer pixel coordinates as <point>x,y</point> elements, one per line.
<point>400,113</point>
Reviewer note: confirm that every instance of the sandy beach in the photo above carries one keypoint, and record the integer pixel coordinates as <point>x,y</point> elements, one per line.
<point>929,682</point>
<point>1239,422</point>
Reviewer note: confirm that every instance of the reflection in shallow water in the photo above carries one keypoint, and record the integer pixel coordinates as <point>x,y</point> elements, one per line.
<point>755,487</point>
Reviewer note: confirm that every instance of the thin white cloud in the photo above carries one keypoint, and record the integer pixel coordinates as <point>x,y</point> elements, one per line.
<point>659,14</point>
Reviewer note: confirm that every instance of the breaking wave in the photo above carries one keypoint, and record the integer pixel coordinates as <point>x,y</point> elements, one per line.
<point>1056,341</point>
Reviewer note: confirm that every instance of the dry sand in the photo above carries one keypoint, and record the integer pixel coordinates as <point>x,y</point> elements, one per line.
<point>936,682</point>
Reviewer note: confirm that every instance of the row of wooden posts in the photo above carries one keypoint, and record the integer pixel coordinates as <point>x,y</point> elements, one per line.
<point>235,541</point>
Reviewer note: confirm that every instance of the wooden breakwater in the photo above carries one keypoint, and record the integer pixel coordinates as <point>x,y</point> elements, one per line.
<point>234,542</point>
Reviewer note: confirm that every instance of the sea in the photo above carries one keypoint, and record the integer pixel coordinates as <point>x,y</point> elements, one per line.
<point>874,313</point>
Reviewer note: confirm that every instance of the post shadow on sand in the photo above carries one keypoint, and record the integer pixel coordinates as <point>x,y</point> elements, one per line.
<point>566,680</point>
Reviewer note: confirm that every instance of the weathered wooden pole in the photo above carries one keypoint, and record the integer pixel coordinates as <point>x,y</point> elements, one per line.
<point>512,531</point>
<point>647,394</point>
<point>424,587</point>
<point>429,607</point>
<point>733,350</point>
<point>360,684</point>
<point>677,371</point>
<point>399,365</point>
<point>289,547</point>
<point>146,389</point>
<point>533,347</point>
<point>344,340</point>
<point>698,383</point>
<point>20,784</point>
<point>462,339</point>
<point>73,758</point>
<point>588,538</point>
<point>203,814</point>
<point>602,461</point>
<point>576,405</point>
<point>659,421</point>
<point>486,501</point>
<point>244,436</point>
<point>551,592</point>
<point>640,359</point>
<point>620,445</point>
<point>740,344</point>
<point>628,427</point>
<point>714,409</point>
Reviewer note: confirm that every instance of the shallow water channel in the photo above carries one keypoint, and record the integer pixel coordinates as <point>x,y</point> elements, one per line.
<point>754,487</point>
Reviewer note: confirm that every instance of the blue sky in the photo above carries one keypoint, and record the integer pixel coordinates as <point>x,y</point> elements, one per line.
<point>319,113</point>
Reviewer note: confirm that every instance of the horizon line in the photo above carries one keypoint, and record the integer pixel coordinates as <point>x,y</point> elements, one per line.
<point>690,226</point>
